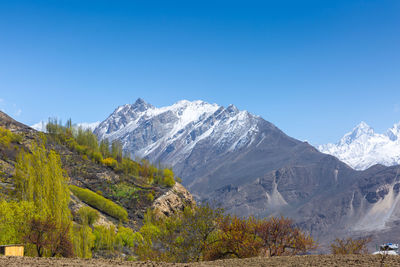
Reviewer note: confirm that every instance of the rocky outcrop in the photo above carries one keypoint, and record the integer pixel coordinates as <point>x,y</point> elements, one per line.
<point>174,200</point>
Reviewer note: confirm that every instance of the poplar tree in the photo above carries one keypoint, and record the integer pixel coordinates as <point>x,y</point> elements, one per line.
<point>116,150</point>
<point>105,148</point>
<point>40,179</point>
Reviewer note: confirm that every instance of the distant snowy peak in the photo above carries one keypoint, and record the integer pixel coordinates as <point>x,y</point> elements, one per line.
<point>363,148</point>
<point>394,132</point>
<point>362,130</point>
<point>41,126</point>
<point>88,125</point>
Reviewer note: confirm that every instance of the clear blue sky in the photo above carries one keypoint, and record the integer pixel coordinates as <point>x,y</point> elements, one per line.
<point>313,68</point>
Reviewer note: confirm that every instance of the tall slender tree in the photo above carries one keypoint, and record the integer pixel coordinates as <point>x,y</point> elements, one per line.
<point>40,179</point>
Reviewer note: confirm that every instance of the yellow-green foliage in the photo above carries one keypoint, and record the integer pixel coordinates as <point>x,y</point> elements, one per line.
<point>14,217</point>
<point>183,237</point>
<point>100,203</point>
<point>83,237</point>
<point>88,216</point>
<point>127,238</point>
<point>85,143</point>
<point>150,197</point>
<point>83,240</point>
<point>168,178</point>
<point>129,166</point>
<point>110,162</point>
<point>105,238</point>
<point>39,178</point>
<point>86,138</point>
<point>96,157</point>
<point>7,137</point>
<point>124,190</point>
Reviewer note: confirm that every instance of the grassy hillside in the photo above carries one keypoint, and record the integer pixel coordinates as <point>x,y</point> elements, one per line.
<point>115,187</point>
<point>131,184</point>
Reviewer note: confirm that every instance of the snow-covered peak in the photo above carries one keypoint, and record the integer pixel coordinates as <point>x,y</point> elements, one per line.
<point>362,130</point>
<point>172,132</point>
<point>126,118</point>
<point>88,125</point>
<point>394,132</point>
<point>39,126</point>
<point>141,105</point>
<point>363,148</point>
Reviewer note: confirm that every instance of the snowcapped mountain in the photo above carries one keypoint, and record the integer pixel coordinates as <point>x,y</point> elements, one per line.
<point>88,125</point>
<point>363,148</point>
<point>39,126</point>
<point>250,167</point>
<point>169,134</point>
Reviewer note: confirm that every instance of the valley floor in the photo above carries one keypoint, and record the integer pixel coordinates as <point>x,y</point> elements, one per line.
<point>314,260</point>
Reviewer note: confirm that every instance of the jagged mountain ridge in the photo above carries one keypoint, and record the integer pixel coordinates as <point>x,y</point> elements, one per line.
<point>362,147</point>
<point>250,167</point>
<point>171,134</point>
<point>176,135</point>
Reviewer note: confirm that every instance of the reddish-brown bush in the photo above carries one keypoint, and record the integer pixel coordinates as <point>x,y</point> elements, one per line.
<point>350,246</point>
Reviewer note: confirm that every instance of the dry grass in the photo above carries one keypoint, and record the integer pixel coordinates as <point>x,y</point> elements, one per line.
<point>315,260</point>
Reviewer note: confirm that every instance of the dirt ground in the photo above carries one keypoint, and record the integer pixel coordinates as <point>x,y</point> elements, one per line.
<point>315,260</point>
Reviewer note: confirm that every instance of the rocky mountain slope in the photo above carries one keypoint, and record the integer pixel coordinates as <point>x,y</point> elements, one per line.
<point>250,167</point>
<point>88,174</point>
<point>362,147</point>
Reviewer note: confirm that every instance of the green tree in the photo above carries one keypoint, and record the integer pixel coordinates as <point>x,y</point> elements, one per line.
<point>88,216</point>
<point>105,148</point>
<point>168,178</point>
<point>83,240</point>
<point>127,238</point>
<point>40,179</point>
<point>183,237</point>
<point>105,237</point>
<point>14,218</point>
<point>88,139</point>
<point>116,150</point>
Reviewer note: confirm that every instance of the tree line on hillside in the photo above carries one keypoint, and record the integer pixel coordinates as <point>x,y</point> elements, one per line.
<point>109,154</point>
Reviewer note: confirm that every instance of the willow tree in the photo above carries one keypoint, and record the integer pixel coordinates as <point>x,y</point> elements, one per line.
<point>40,179</point>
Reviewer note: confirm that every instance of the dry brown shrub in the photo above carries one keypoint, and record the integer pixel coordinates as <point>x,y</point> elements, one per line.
<point>350,246</point>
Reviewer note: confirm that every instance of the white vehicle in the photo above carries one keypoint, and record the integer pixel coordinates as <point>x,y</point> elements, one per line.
<point>388,249</point>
